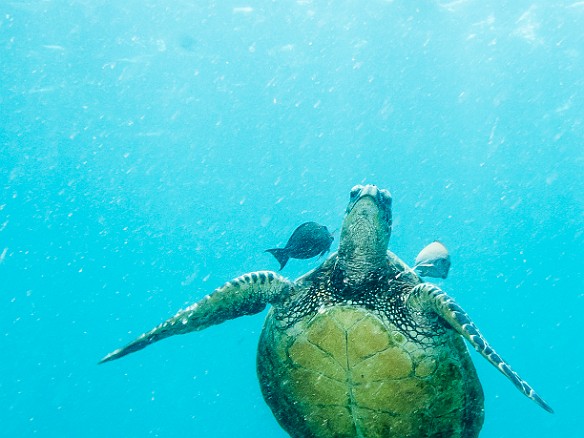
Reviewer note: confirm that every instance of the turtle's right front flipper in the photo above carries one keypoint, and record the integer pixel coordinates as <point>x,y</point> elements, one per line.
<point>246,295</point>
<point>427,297</point>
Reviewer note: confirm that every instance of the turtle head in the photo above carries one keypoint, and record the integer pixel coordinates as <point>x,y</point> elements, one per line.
<point>366,230</point>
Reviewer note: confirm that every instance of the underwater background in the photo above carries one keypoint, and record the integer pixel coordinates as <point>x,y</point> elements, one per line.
<point>152,150</point>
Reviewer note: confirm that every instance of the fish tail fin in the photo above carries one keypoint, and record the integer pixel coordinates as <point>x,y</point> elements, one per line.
<point>280,254</point>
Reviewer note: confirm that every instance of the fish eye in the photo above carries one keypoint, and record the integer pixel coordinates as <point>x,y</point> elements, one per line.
<point>355,191</point>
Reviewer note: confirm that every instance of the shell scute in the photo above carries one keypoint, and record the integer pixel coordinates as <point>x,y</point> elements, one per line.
<point>328,335</point>
<point>317,386</point>
<point>308,356</point>
<point>397,365</point>
<point>426,367</point>
<point>395,396</point>
<point>365,338</point>
<point>384,424</point>
<point>330,421</point>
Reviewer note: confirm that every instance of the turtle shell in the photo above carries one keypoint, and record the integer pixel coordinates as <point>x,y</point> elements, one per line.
<point>351,371</point>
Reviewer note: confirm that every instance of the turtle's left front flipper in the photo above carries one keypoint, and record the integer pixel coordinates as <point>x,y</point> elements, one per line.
<point>427,297</point>
<point>245,295</point>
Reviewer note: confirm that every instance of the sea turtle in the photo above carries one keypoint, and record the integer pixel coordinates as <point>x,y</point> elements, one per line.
<point>358,347</point>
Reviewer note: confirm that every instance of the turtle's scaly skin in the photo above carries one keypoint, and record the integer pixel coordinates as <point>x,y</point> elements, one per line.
<point>359,347</point>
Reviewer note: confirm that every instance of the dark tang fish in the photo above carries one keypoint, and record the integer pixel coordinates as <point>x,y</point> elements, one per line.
<point>308,240</point>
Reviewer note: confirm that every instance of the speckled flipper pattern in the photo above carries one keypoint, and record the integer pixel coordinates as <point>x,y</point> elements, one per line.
<point>245,295</point>
<point>428,297</point>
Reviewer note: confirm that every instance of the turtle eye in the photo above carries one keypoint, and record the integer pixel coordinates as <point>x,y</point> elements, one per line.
<point>385,194</point>
<point>355,191</point>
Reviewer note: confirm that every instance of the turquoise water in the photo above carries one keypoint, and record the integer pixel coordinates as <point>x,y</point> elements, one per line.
<point>150,151</point>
